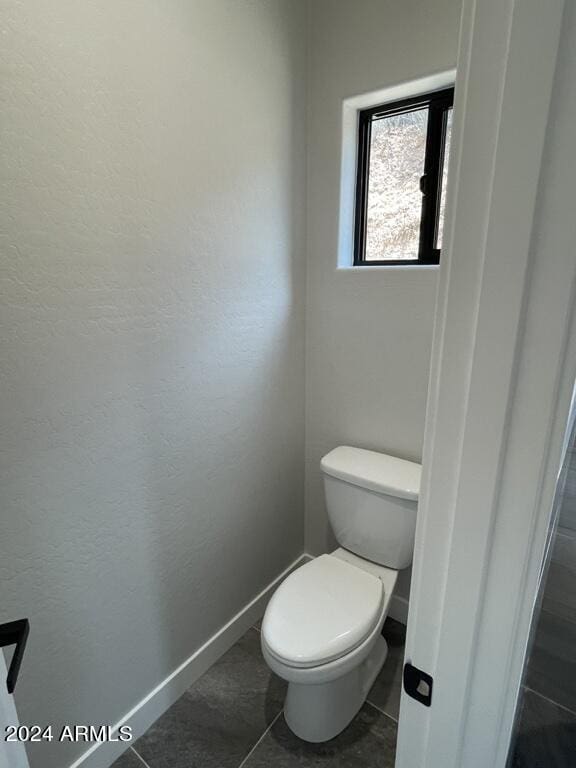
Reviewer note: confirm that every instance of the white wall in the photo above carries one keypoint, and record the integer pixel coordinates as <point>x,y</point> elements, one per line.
<point>369,330</point>
<point>152,294</point>
<point>152,304</point>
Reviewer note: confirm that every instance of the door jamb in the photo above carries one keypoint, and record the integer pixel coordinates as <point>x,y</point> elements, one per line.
<point>496,411</point>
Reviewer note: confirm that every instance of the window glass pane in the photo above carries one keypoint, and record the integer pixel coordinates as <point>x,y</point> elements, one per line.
<point>444,179</point>
<point>397,149</point>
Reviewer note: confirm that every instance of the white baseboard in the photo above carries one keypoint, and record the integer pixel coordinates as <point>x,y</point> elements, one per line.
<point>149,709</point>
<point>398,609</point>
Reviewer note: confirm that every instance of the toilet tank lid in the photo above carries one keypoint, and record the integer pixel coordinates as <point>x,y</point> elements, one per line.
<point>374,471</point>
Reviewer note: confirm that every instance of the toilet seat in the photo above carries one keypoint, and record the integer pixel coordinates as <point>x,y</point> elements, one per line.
<point>321,612</point>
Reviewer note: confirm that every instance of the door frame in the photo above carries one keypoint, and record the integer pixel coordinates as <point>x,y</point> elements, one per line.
<point>12,755</point>
<point>502,376</point>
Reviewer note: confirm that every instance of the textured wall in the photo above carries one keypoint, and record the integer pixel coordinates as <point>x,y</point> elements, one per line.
<point>152,178</point>
<point>369,331</point>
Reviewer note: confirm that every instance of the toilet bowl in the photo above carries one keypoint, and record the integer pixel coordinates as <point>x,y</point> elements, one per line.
<point>322,630</point>
<point>322,633</point>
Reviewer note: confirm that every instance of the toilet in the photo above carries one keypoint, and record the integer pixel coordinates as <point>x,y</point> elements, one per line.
<point>322,628</point>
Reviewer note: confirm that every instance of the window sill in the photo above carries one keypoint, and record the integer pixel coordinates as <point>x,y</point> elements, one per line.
<point>387,267</point>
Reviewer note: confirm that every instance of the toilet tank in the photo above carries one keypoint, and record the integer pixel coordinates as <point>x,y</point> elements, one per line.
<point>372,500</point>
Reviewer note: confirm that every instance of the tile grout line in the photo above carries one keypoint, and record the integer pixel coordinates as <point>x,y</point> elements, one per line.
<point>270,726</point>
<point>551,701</point>
<point>382,712</point>
<point>260,739</point>
<point>139,756</point>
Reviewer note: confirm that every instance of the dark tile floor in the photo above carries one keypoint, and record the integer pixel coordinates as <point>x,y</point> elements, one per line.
<point>552,664</point>
<point>546,736</point>
<point>232,717</point>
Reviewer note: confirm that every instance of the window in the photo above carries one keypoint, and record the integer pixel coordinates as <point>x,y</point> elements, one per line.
<point>401,180</point>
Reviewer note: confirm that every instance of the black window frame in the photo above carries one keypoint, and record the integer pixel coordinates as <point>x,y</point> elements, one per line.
<point>438,103</point>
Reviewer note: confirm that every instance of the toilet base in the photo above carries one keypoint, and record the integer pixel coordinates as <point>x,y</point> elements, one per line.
<point>320,712</point>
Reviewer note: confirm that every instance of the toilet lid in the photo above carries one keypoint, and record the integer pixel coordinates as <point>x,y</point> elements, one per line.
<point>322,611</point>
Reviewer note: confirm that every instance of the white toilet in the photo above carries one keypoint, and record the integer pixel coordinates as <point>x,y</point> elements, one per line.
<point>322,628</point>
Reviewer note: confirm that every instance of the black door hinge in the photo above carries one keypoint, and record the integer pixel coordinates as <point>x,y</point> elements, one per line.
<point>418,684</point>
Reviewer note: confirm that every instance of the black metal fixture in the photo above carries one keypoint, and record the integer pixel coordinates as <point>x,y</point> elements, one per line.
<point>418,684</point>
<point>14,633</point>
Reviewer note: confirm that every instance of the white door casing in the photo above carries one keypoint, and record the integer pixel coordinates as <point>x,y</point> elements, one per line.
<point>503,369</point>
<point>13,754</point>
